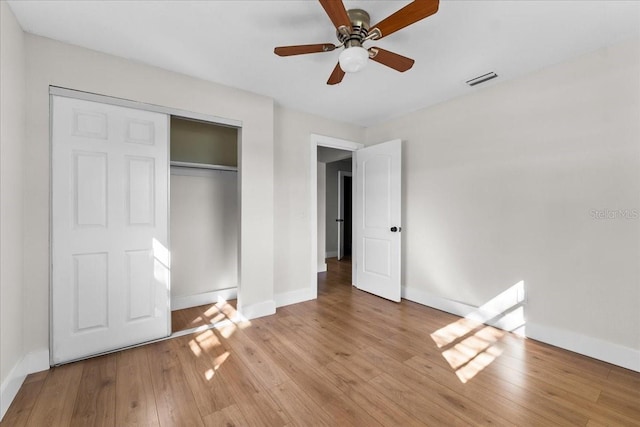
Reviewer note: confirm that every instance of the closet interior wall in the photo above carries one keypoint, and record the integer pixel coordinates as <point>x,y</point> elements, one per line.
<point>204,212</point>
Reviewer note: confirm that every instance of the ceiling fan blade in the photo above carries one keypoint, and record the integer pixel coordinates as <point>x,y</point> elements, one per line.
<point>302,49</point>
<point>411,13</point>
<point>338,14</point>
<point>390,59</point>
<point>336,76</point>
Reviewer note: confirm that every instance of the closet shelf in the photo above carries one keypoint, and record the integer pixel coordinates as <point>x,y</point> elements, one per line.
<point>203,166</point>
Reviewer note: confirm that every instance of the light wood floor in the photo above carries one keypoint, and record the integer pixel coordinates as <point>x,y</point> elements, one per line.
<point>348,358</point>
<point>196,317</point>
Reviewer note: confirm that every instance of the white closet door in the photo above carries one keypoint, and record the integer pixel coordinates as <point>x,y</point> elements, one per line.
<point>110,263</point>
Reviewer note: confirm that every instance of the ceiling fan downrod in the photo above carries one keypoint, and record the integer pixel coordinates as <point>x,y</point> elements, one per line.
<point>360,22</point>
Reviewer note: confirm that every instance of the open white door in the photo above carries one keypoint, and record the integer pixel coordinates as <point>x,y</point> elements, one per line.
<point>377,219</point>
<point>110,263</point>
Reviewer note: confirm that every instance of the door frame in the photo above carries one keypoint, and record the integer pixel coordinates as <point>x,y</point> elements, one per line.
<point>341,176</point>
<point>169,111</point>
<point>315,142</point>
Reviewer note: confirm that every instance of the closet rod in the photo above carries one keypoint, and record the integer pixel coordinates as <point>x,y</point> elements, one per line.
<point>203,166</point>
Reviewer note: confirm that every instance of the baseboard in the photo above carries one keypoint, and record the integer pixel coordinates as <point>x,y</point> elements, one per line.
<point>261,309</point>
<point>187,301</point>
<point>615,354</point>
<point>588,346</point>
<point>450,306</point>
<point>32,362</point>
<point>331,254</point>
<point>322,267</point>
<point>294,297</point>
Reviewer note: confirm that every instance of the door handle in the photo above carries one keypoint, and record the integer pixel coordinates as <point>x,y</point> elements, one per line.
<point>396,229</point>
<point>339,220</point>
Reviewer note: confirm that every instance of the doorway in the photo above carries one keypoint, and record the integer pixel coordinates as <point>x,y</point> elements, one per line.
<point>334,208</point>
<point>377,216</point>
<point>318,149</point>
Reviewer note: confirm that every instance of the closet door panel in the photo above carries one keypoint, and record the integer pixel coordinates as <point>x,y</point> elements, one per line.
<point>90,189</point>
<point>141,292</point>
<point>110,268</point>
<point>140,189</point>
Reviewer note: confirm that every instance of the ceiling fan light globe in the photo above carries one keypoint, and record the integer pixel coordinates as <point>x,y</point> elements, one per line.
<point>353,59</point>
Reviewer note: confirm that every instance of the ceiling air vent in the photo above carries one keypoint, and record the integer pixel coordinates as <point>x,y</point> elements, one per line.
<point>481,79</point>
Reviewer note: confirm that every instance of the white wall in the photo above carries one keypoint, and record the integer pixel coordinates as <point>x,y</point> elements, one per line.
<point>500,186</point>
<point>204,232</point>
<point>331,247</point>
<point>12,129</point>
<point>292,192</point>
<point>54,63</point>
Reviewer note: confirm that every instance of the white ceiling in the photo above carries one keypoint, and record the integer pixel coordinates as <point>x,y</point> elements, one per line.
<point>231,42</point>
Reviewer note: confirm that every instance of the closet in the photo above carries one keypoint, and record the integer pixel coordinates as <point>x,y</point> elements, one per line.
<point>204,212</point>
<point>144,219</point>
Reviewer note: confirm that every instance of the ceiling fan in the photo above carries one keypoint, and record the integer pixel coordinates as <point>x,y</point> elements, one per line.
<point>353,29</point>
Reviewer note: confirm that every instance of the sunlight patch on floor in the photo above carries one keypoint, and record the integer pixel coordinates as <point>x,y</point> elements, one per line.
<point>221,320</point>
<point>218,361</point>
<point>469,345</point>
<point>478,363</point>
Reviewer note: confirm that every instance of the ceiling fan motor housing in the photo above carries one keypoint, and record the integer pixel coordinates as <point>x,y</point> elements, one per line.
<point>360,22</point>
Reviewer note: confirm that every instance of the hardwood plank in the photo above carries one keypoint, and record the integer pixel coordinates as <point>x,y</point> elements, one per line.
<point>96,400</point>
<point>18,413</point>
<point>135,400</point>
<point>300,408</point>
<point>441,395</point>
<point>241,382</point>
<point>551,376</point>
<point>358,364</point>
<point>201,315</point>
<point>510,405</point>
<point>319,353</point>
<point>568,402</point>
<point>415,404</point>
<point>174,399</point>
<point>56,400</point>
<point>261,409</point>
<point>268,373</point>
<point>201,356</point>
<point>624,377</point>
<point>178,321</point>
<point>323,391</point>
<point>559,381</point>
<point>625,406</point>
<point>227,417</point>
<point>318,386</point>
<point>366,396</point>
<point>36,377</point>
